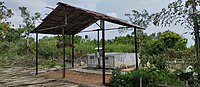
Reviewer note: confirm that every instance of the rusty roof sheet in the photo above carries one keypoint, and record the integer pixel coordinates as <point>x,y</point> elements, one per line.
<point>77,20</point>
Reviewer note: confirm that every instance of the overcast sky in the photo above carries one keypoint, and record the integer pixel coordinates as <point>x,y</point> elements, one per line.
<point>115,8</point>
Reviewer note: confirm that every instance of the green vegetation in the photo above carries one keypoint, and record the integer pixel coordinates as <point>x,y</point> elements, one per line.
<point>151,77</point>
<point>159,49</point>
<point>17,45</point>
<point>179,12</point>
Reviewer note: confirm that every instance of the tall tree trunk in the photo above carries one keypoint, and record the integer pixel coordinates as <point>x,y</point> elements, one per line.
<point>197,46</point>
<point>196,33</point>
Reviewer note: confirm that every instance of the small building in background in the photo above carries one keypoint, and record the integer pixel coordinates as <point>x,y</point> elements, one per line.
<point>112,60</point>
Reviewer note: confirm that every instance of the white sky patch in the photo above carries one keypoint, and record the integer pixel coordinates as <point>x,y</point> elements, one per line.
<point>113,14</point>
<point>86,4</point>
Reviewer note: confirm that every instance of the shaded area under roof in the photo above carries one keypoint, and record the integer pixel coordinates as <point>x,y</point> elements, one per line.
<point>77,20</point>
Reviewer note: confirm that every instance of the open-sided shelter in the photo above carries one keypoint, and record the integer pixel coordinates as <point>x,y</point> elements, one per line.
<point>69,20</point>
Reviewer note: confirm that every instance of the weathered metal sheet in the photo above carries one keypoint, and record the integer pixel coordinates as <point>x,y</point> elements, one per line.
<point>77,19</point>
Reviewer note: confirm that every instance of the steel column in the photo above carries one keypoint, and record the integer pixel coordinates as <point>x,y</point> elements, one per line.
<point>36,54</point>
<point>63,35</point>
<point>98,50</point>
<point>103,49</point>
<point>73,51</point>
<point>136,50</point>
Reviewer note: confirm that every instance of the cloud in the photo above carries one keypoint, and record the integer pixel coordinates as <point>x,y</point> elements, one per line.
<point>115,8</point>
<point>120,7</point>
<point>39,6</point>
<point>87,4</point>
<point>33,6</point>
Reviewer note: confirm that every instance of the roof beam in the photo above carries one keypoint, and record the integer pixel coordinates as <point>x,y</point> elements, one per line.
<point>74,16</point>
<point>61,26</point>
<point>115,28</point>
<point>64,17</point>
<point>56,27</point>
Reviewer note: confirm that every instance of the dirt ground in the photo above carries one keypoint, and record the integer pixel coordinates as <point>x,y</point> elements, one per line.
<point>77,77</point>
<point>25,77</point>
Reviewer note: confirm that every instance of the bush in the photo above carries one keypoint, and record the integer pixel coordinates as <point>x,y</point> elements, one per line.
<point>52,64</point>
<point>48,63</point>
<point>184,76</point>
<point>2,62</point>
<point>150,78</point>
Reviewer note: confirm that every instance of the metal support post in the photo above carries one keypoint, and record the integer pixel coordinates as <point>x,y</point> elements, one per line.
<point>63,35</point>
<point>103,48</point>
<point>98,53</point>
<point>73,51</point>
<point>36,54</point>
<point>136,50</point>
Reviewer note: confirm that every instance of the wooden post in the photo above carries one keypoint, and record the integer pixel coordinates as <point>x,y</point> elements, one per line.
<point>103,49</point>
<point>63,34</point>
<point>136,50</point>
<point>36,54</point>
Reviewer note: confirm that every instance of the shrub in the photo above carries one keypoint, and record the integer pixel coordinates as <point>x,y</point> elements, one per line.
<point>150,78</point>
<point>52,64</point>
<point>48,63</point>
<point>2,62</point>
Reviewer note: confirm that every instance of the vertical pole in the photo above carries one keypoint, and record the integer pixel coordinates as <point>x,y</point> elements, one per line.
<point>36,53</point>
<point>140,81</point>
<point>103,49</point>
<point>73,51</point>
<point>186,84</point>
<point>196,34</point>
<point>136,50</point>
<point>63,35</point>
<point>98,55</point>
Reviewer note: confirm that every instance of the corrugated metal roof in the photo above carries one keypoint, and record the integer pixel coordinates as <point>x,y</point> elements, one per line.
<point>77,20</point>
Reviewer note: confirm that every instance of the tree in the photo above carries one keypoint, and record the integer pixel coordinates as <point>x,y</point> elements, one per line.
<point>163,42</point>
<point>172,40</point>
<point>13,35</point>
<point>29,22</point>
<point>156,45</point>
<point>178,12</point>
<point>5,13</point>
